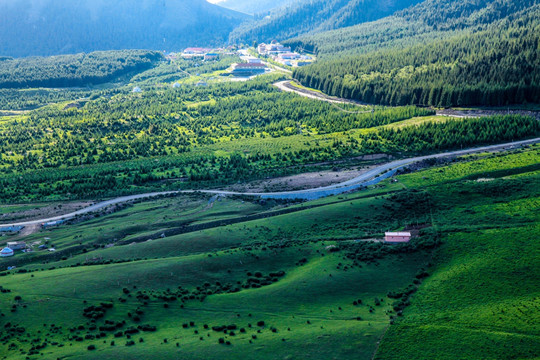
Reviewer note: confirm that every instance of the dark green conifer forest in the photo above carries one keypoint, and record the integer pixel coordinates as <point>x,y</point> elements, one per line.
<point>493,65</point>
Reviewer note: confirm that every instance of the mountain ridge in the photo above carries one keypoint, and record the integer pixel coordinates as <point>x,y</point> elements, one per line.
<point>315,16</point>
<point>52,27</point>
<point>252,7</point>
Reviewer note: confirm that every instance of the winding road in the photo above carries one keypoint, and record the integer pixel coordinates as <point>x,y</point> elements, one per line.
<point>369,178</point>
<point>287,86</point>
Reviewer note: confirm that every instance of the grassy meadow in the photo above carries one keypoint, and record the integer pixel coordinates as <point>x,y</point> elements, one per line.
<point>259,279</point>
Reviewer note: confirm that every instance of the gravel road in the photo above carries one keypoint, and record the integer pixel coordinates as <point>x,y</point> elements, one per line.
<point>369,178</point>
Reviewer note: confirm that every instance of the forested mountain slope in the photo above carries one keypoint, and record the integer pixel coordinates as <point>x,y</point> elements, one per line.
<point>251,6</point>
<point>315,16</point>
<point>74,70</point>
<point>427,21</point>
<point>495,64</point>
<point>51,27</point>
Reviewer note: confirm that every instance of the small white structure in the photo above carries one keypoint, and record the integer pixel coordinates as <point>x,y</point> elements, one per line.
<point>254,60</point>
<point>289,56</point>
<point>137,89</point>
<point>16,245</point>
<point>6,252</point>
<point>176,85</point>
<point>52,223</point>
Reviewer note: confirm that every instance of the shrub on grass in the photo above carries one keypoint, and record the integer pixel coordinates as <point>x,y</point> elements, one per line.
<point>146,327</point>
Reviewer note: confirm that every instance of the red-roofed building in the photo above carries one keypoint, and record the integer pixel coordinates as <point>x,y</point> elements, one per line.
<point>397,237</point>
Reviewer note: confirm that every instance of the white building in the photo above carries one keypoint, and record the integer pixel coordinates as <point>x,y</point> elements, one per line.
<point>6,252</point>
<point>16,245</point>
<point>254,60</point>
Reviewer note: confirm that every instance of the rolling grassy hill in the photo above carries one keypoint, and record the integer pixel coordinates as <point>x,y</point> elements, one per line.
<point>51,27</point>
<point>171,297</point>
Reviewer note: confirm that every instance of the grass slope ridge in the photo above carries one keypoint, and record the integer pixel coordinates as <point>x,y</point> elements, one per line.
<point>483,299</point>
<point>495,66</point>
<point>315,16</point>
<point>51,27</point>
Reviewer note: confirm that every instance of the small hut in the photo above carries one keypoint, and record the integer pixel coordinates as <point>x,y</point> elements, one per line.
<point>397,237</point>
<point>16,245</point>
<point>6,252</point>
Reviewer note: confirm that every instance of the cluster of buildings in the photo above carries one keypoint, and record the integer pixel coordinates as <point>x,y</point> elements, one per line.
<point>283,54</point>
<point>272,49</point>
<point>200,53</point>
<point>11,247</point>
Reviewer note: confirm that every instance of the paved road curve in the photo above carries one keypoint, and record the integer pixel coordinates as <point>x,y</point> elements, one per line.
<point>371,177</point>
<point>473,113</point>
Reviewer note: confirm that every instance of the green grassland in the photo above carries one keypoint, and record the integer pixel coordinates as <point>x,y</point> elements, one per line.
<point>468,281</point>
